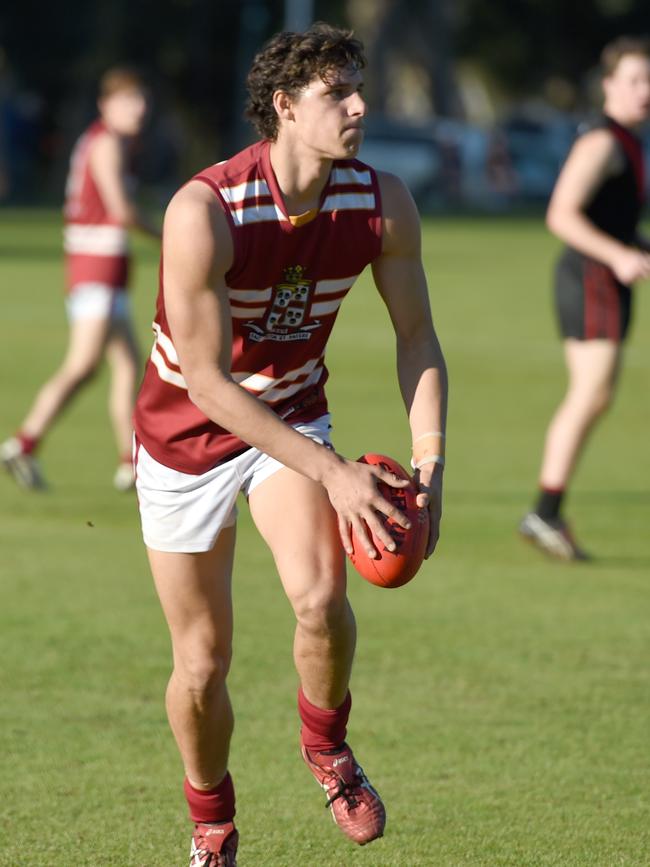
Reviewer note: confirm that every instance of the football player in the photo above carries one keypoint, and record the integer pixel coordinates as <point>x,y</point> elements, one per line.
<point>259,252</point>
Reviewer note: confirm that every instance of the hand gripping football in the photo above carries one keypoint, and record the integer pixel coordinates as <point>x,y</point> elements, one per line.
<point>394,568</point>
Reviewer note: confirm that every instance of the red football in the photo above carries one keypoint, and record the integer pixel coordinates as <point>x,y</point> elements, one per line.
<point>394,568</point>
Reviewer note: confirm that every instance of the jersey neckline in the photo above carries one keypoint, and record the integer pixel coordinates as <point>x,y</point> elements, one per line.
<point>290,222</point>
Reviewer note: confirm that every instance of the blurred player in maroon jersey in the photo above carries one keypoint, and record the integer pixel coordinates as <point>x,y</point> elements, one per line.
<point>595,210</point>
<point>259,252</point>
<point>98,211</point>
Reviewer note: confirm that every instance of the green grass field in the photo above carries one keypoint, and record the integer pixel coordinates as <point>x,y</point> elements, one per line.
<point>501,702</point>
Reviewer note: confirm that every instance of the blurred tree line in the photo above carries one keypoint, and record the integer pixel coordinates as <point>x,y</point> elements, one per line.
<point>428,58</point>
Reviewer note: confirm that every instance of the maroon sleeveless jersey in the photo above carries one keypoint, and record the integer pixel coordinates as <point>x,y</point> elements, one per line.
<point>286,284</point>
<point>96,246</point>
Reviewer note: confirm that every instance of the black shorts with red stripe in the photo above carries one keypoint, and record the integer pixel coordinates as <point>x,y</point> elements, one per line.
<point>591,304</point>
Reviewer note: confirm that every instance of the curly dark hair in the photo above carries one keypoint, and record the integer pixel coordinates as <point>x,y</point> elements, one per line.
<point>289,61</point>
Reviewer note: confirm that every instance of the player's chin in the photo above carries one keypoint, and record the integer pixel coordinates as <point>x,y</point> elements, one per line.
<point>640,110</point>
<point>351,143</point>
<point>130,130</point>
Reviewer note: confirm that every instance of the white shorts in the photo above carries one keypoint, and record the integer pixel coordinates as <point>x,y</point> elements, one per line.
<point>185,513</point>
<point>97,301</point>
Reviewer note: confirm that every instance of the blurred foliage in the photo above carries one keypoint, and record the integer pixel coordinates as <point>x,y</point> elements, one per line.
<point>195,54</point>
<point>523,42</point>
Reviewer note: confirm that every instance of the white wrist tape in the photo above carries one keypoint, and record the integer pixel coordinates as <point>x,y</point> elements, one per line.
<point>433,433</point>
<point>429,459</point>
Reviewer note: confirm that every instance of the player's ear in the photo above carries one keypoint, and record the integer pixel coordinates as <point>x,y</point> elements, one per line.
<point>283,105</point>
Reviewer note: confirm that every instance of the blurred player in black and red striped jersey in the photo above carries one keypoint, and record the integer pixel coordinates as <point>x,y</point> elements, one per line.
<point>595,210</point>
<point>259,252</point>
<point>98,212</point>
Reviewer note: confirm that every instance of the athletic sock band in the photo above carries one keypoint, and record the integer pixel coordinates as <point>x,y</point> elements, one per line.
<point>549,503</point>
<point>27,444</point>
<point>214,805</point>
<point>323,729</point>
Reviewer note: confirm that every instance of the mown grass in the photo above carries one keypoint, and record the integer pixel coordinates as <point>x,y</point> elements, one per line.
<point>501,702</point>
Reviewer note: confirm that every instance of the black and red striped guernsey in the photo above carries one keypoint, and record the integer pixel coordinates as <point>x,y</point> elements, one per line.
<point>617,204</point>
<point>592,303</point>
<point>285,286</point>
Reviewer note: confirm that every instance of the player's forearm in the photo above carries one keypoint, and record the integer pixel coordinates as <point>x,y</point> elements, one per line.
<point>577,230</point>
<point>233,408</point>
<point>423,382</point>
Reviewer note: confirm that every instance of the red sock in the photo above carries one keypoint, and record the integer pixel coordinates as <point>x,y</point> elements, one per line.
<point>215,805</point>
<point>323,729</point>
<point>27,444</point>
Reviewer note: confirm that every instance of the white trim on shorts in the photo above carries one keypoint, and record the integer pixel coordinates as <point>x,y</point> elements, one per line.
<point>97,301</point>
<point>184,513</point>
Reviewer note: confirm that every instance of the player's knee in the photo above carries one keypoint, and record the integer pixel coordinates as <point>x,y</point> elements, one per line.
<point>604,400</point>
<point>202,672</point>
<point>78,375</point>
<point>592,403</point>
<point>320,611</point>
<point>600,401</point>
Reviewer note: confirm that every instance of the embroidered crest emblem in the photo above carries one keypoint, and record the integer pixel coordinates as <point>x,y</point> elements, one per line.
<point>290,300</point>
<point>287,312</point>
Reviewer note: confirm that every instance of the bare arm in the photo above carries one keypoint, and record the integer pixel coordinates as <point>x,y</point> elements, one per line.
<point>197,254</point>
<point>593,158</point>
<point>422,374</point>
<point>108,171</point>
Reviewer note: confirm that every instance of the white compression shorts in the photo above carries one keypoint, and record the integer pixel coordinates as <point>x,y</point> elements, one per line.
<point>97,301</point>
<point>185,513</point>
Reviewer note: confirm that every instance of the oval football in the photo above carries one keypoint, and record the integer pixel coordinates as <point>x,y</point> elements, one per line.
<point>394,568</point>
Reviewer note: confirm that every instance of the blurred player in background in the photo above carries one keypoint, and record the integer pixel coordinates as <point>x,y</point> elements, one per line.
<point>595,209</point>
<point>259,252</point>
<point>98,212</point>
